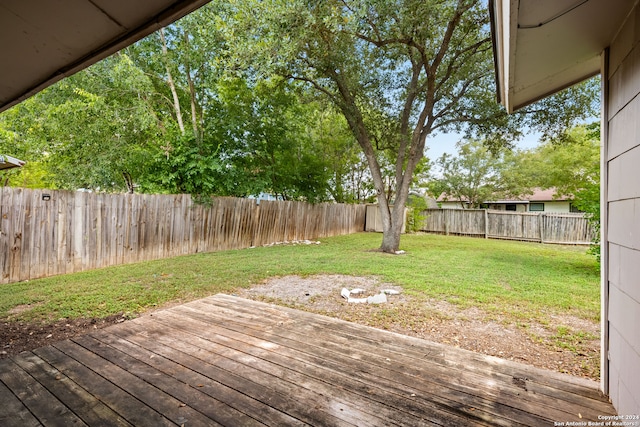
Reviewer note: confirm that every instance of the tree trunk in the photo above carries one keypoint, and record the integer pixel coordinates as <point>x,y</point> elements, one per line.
<point>192,95</point>
<point>392,220</point>
<point>128,182</point>
<point>393,230</point>
<point>171,83</point>
<point>194,107</point>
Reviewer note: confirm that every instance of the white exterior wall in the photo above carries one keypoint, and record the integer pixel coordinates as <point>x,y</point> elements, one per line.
<point>549,207</point>
<point>520,207</point>
<point>621,160</point>
<point>557,207</point>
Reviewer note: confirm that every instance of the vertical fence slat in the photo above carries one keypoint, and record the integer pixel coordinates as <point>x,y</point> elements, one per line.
<point>76,231</point>
<point>64,232</point>
<point>32,237</point>
<point>559,228</point>
<point>52,236</point>
<point>15,235</point>
<point>27,235</point>
<point>5,226</point>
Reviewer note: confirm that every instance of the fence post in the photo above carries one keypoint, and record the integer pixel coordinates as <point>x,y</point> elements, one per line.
<point>541,226</point>
<point>486,223</point>
<point>446,223</point>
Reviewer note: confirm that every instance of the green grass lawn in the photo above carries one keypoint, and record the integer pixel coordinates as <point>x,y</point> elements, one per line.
<point>514,279</point>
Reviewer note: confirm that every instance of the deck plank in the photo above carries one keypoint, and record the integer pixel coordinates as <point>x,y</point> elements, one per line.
<point>14,413</point>
<point>430,396</point>
<point>231,388</point>
<point>224,360</point>
<point>268,379</point>
<point>139,388</point>
<point>453,369</point>
<point>369,382</point>
<point>82,403</point>
<point>187,387</point>
<point>121,402</point>
<point>447,355</point>
<point>272,391</point>
<point>46,408</point>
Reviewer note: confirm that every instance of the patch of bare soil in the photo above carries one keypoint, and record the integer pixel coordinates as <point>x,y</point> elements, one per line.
<point>568,344</point>
<point>16,337</point>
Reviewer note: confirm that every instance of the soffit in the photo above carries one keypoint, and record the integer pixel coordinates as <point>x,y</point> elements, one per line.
<point>544,46</point>
<point>44,41</point>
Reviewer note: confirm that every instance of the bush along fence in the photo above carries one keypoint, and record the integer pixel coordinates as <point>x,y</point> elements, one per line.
<point>46,232</point>
<point>558,228</point>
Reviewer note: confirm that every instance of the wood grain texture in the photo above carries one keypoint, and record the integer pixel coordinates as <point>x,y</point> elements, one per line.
<point>557,228</point>
<point>228,361</point>
<point>77,231</point>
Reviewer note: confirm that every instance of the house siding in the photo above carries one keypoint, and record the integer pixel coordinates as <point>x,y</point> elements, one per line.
<point>520,207</point>
<point>622,213</point>
<point>556,207</point>
<point>549,207</point>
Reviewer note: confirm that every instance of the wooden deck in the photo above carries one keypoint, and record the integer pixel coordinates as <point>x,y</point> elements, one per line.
<point>229,361</point>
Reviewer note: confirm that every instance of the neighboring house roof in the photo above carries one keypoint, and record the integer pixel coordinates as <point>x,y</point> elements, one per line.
<point>8,162</point>
<point>543,46</point>
<point>539,195</point>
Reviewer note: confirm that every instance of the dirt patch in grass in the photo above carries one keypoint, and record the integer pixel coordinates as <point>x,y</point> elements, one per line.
<point>18,336</point>
<point>566,344</point>
<point>21,309</point>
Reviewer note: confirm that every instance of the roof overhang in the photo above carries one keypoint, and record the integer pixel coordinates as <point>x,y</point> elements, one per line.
<point>47,40</point>
<point>544,46</point>
<point>8,162</point>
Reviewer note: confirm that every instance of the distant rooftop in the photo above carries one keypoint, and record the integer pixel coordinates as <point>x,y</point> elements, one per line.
<point>539,195</point>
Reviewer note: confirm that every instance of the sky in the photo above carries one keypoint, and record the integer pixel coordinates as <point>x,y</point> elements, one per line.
<point>446,143</point>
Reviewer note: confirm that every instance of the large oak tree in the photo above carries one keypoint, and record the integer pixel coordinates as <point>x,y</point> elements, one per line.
<point>397,70</point>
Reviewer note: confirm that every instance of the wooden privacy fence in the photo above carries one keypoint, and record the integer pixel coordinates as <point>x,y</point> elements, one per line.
<point>559,228</point>
<point>44,233</point>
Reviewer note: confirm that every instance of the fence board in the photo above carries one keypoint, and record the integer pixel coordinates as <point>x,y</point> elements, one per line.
<point>63,231</point>
<point>16,235</point>
<point>76,231</point>
<point>559,228</point>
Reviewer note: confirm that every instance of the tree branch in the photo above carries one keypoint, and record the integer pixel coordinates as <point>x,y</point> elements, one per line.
<point>455,63</point>
<point>412,94</point>
<point>461,8</point>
